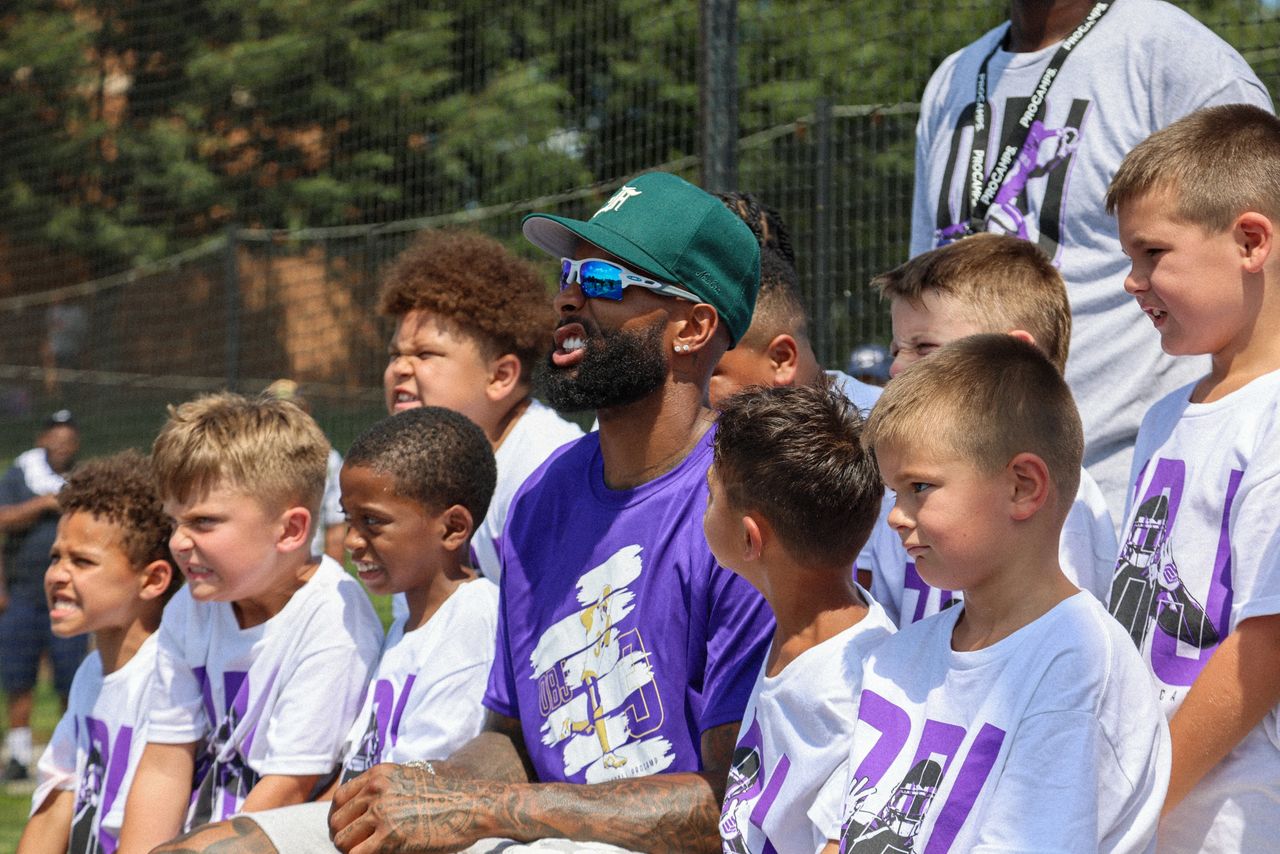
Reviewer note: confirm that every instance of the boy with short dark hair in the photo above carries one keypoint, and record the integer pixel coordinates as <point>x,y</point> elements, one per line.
<point>791,499</point>
<point>1021,719</point>
<point>1197,583</point>
<point>776,350</point>
<point>412,486</point>
<point>259,633</point>
<point>110,574</point>
<point>984,283</point>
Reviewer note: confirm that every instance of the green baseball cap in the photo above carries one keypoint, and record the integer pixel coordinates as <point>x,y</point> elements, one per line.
<point>664,226</point>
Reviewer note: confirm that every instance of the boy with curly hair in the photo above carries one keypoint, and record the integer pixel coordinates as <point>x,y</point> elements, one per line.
<point>109,573</point>
<point>471,322</point>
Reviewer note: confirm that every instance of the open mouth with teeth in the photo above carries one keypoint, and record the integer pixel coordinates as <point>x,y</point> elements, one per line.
<point>61,605</point>
<point>405,399</point>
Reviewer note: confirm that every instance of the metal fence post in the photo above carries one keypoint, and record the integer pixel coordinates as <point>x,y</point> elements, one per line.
<point>718,94</point>
<point>822,279</point>
<point>231,289</point>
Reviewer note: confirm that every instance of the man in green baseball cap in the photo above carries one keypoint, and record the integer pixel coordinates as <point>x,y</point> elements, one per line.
<point>625,655</point>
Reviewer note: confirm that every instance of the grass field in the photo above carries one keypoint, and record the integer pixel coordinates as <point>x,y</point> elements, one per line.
<point>15,798</point>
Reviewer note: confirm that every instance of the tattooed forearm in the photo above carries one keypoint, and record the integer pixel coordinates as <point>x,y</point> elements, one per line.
<point>498,754</point>
<point>237,836</point>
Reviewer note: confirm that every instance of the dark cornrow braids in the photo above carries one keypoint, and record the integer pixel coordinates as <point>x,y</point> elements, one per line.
<point>765,223</point>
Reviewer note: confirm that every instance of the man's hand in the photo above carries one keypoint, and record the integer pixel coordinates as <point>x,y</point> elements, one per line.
<point>401,808</point>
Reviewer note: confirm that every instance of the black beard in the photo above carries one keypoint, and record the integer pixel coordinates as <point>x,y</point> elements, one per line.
<point>618,367</point>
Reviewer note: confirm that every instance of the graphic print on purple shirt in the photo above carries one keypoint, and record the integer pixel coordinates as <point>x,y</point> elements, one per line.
<point>222,785</point>
<point>746,784</point>
<point>911,580</point>
<point>895,826</point>
<point>1148,587</point>
<point>383,729</point>
<point>100,786</point>
<point>1047,153</point>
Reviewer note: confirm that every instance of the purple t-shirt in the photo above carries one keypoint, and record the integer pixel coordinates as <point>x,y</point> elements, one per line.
<point>620,640</point>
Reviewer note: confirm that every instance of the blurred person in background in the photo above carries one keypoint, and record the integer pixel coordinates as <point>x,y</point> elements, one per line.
<point>869,363</point>
<point>29,520</point>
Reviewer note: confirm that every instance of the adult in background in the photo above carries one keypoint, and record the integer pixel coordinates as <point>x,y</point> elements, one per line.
<point>29,520</point>
<point>1066,88</point>
<point>625,653</point>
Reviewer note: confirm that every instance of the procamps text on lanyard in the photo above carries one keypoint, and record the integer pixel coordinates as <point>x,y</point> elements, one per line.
<point>983,190</point>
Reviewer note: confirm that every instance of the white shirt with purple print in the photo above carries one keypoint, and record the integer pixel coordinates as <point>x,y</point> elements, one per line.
<point>795,734</point>
<point>1200,553</point>
<point>96,747</point>
<point>1050,739</point>
<point>424,700</point>
<point>620,640</point>
<point>278,698</point>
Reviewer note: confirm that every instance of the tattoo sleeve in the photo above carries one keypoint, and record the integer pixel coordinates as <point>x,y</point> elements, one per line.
<point>663,812</point>
<point>498,753</point>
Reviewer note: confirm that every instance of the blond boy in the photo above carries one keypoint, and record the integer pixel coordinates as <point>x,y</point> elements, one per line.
<point>109,574</point>
<point>985,283</point>
<point>1021,719</point>
<point>264,656</point>
<point>1197,583</point>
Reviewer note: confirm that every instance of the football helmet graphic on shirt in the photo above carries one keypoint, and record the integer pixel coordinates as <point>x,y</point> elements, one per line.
<point>892,830</point>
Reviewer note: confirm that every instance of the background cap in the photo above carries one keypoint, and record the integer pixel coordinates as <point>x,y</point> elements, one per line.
<point>664,226</point>
<point>870,360</point>
<point>59,419</point>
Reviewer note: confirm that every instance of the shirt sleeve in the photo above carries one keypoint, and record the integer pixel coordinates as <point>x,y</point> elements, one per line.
<point>500,695</point>
<point>11,487</point>
<point>56,770</point>
<point>178,715</point>
<point>1057,761</point>
<point>304,736</point>
<point>739,628</point>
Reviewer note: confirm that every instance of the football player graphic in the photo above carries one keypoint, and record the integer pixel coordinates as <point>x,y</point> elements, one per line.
<point>1147,586</point>
<point>893,830</point>
<point>744,781</point>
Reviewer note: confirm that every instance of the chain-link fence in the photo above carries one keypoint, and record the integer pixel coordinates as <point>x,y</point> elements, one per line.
<point>201,194</point>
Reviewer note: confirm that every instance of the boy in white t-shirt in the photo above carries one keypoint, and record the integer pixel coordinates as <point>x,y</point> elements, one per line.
<point>109,573</point>
<point>1021,719</point>
<point>1197,583</point>
<point>263,658</point>
<point>792,497</point>
<point>984,283</point>
<point>411,487</point>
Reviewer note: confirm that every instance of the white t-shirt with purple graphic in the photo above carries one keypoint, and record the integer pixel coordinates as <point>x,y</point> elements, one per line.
<point>1200,554</point>
<point>795,733</point>
<point>1144,66</point>
<point>424,700</point>
<point>1086,553</point>
<point>277,698</point>
<point>620,640</point>
<point>96,747</point>
<point>1050,739</point>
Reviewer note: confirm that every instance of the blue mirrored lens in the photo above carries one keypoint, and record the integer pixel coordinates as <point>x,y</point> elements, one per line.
<point>599,279</point>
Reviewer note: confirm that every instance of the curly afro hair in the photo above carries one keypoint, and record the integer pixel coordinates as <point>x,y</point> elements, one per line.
<point>121,489</point>
<point>479,284</point>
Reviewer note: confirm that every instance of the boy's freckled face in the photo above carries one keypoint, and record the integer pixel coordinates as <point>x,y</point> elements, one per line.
<point>388,534</point>
<point>919,329</point>
<point>946,513</point>
<point>91,585</point>
<point>737,369</point>
<point>225,544</point>
<point>432,362</point>
<point>1185,279</point>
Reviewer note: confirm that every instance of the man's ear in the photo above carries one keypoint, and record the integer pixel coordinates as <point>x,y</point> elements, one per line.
<point>296,529</point>
<point>456,526</point>
<point>154,579</point>
<point>784,356</point>
<point>1031,485</point>
<point>505,377</point>
<point>1254,235</point>
<point>697,328</point>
